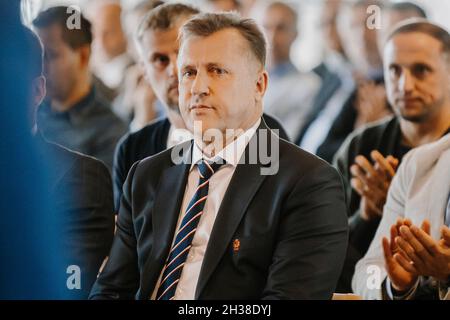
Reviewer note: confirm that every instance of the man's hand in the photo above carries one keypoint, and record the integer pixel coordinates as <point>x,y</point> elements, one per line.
<point>372,182</point>
<point>425,256</point>
<point>400,273</point>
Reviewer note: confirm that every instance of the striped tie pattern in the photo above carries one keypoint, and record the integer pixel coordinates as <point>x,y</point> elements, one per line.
<point>183,240</point>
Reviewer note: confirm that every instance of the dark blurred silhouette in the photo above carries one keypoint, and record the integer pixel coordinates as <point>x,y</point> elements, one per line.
<point>31,265</point>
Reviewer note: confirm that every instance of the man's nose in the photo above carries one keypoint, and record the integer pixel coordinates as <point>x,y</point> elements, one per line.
<point>200,86</point>
<point>406,82</point>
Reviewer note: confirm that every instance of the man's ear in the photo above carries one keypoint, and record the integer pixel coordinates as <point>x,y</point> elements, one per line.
<point>38,90</point>
<point>261,84</point>
<point>85,55</point>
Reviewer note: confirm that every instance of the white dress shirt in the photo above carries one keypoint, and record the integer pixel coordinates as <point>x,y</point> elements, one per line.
<point>218,185</point>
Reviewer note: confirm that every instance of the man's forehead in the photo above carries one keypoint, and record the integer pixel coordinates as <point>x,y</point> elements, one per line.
<point>156,40</point>
<point>416,44</point>
<point>219,46</point>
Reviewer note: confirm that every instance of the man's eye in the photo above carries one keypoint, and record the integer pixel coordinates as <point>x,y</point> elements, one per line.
<point>188,73</point>
<point>219,71</point>
<point>420,70</point>
<point>161,60</point>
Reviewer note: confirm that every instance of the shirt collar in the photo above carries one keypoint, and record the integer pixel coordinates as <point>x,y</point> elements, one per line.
<point>232,153</point>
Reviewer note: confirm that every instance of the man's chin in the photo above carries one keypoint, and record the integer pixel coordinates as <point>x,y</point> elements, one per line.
<point>414,117</point>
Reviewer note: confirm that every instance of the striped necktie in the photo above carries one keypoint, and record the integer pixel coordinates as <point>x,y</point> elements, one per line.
<point>183,240</point>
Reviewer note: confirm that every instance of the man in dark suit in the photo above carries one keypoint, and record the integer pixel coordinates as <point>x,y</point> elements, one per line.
<point>214,218</point>
<point>158,48</point>
<point>81,190</point>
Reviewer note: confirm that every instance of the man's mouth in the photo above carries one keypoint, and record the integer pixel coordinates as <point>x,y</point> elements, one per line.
<point>199,107</point>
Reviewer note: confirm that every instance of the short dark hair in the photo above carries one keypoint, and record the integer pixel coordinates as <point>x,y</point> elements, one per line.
<point>35,53</point>
<point>59,15</point>
<point>206,24</point>
<point>426,27</point>
<point>408,6</point>
<point>164,17</point>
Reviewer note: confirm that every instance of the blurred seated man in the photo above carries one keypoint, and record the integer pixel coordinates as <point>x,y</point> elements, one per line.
<point>291,92</point>
<point>110,57</point>
<point>337,84</point>
<point>137,103</point>
<point>81,189</point>
<point>73,115</point>
<point>158,47</point>
<point>411,249</point>
<point>417,80</point>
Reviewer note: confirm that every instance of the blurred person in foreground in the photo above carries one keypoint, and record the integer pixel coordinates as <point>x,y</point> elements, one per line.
<point>31,267</point>
<point>81,189</point>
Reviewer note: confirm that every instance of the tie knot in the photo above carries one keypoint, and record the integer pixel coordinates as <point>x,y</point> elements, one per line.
<point>207,169</point>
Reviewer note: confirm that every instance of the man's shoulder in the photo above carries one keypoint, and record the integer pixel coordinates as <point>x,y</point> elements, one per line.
<point>371,136</point>
<point>154,127</point>
<point>292,156</point>
<point>155,134</point>
<point>70,158</point>
<point>375,129</point>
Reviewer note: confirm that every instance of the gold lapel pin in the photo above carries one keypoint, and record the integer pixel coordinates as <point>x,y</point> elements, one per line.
<point>236,245</point>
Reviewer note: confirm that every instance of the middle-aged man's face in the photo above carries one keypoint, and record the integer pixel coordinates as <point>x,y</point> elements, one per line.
<point>416,75</point>
<point>62,64</point>
<point>221,82</point>
<point>159,50</point>
<point>279,26</point>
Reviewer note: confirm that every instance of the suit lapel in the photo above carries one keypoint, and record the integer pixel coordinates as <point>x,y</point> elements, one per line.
<point>165,216</point>
<point>246,180</point>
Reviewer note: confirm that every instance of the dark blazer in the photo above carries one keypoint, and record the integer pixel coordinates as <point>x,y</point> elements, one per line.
<point>82,191</point>
<point>330,83</point>
<point>149,141</point>
<point>292,228</point>
<point>342,126</point>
